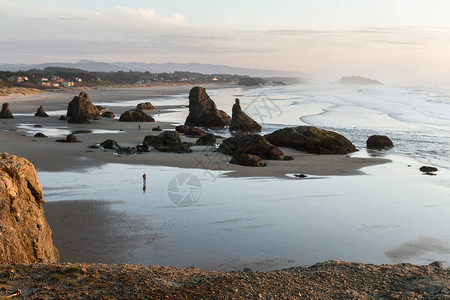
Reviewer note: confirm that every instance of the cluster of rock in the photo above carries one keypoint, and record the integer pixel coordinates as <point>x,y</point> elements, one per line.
<point>81,110</point>
<point>113,145</point>
<point>190,131</point>
<point>6,113</point>
<point>167,141</point>
<point>25,236</point>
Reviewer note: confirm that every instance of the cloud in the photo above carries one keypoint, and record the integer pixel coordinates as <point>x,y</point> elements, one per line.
<point>149,16</point>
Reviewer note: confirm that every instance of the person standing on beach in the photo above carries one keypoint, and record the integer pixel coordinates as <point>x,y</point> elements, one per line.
<point>144,186</point>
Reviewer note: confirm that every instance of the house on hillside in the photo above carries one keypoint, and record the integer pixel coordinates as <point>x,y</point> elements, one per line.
<point>17,79</point>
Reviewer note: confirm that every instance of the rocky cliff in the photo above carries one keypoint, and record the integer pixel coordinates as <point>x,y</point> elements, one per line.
<point>25,236</point>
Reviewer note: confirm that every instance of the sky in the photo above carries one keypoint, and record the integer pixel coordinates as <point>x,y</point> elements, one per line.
<point>395,40</point>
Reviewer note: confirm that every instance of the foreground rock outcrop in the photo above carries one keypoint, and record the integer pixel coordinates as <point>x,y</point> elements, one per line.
<point>379,142</point>
<point>81,110</point>
<point>167,141</point>
<point>203,111</point>
<point>6,113</point>
<point>247,160</point>
<point>41,112</point>
<point>25,236</point>
<point>135,116</point>
<point>327,280</point>
<point>240,121</point>
<point>247,143</point>
<point>311,139</point>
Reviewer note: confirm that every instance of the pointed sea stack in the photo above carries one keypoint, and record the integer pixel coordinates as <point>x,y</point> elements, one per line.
<point>41,112</point>
<point>81,110</point>
<point>240,121</point>
<point>203,111</point>
<point>6,113</point>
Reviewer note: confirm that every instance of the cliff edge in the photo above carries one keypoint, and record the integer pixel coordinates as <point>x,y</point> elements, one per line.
<point>25,236</point>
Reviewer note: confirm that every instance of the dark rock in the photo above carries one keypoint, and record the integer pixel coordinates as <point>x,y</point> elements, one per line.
<point>208,139</point>
<point>142,148</point>
<point>248,160</point>
<point>94,147</point>
<point>157,128</point>
<point>167,141</point>
<point>436,264</point>
<point>188,130</point>
<point>428,169</point>
<point>145,106</point>
<point>25,236</point>
<point>110,144</point>
<point>81,110</point>
<point>240,121</point>
<point>300,176</point>
<point>379,142</point>
<point>40,135</point>
<point>126,150</point>
<point>203,111</point>
<point>6,113</point>
<point>41,112</point>
<point>311,139</point>
<point>135,116</point>
<point>250,144</point>
<point>108,114</point>
<point>70,138</point>
<point>101,108</point>
<point>62,118</point>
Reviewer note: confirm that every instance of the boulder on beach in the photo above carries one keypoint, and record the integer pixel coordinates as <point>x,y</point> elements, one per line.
<point>108,114</point>
<point>41,112</point>
<point>157,128</point>
<point>428,169</point>
<point>145,106</point>
<point>110,144</point>
<point>240,121</point>
<point>203,111</point>
<point>167,141</point>
<point>208,139</point>
<point>25,236</point>
<point>379,142</point>
<point>81,110</point>
<point>142,148</point>
<point>311,139</point>
<point>62,118</point>
<point>70,138</point>
<point>40,135</point>
<point>248,160</point>
<point>135,116</point>
<point>6,113</point>
<point>188,130</point>
<point>250,144</point>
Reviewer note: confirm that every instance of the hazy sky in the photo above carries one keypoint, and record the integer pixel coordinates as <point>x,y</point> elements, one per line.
<point>394,40</point>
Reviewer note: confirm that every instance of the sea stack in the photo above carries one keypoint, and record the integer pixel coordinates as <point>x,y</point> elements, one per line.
<point>203,111</point>
<point>6,113</point>
<point>25,236</point>
<point>41,112</point>
<point>81,110</point>
<point>240,121</point>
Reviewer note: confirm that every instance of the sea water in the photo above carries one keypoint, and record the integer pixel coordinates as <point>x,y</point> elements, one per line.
<point>393,214</point>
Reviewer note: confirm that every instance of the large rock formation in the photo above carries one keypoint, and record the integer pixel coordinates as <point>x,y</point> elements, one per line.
<point>25,236</point>
<point>41,112</point>
<point>203,111</point>
<point>135,116</point>
<point>167,141</point>
<point>81,109</point>
<point>240,121</point>
<point>6,113</point>
<point>250,144</point>
<point>379,142</point>
<point>311,139</point>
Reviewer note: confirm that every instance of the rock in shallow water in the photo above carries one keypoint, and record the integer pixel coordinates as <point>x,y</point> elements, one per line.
<point>379,142</point>
<point>6,113</point>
